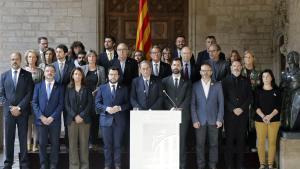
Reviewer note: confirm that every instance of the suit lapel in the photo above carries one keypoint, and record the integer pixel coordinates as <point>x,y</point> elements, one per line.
<point>210,89</point>
<point>202,90</point>
<point>20,78</point>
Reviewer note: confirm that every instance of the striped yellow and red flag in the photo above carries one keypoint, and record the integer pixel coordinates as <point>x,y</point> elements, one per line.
<point>143,34</point>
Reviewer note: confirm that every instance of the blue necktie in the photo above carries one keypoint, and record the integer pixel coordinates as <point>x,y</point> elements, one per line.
<point>113,91</point>
<point>15,78</point>
<point>146,85</point>
<point>48,90</point>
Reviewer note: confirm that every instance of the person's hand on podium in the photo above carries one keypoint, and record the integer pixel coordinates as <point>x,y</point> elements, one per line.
<point>196,125</point>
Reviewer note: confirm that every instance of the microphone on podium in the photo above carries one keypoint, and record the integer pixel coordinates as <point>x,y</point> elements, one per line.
<point>170,99</point>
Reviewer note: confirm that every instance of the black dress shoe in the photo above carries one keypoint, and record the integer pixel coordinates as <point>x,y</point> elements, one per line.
<point>117,167</point>
<point>106,167</point>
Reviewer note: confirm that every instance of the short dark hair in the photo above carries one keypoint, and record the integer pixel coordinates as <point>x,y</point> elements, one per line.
<point>177,60</point>
<point>82,53</point>
<point>42,37</point>
<point>180,36</point>
<point>210,37</point>
<point>77,44</point>
<point>63,47</point>
<point>114,68</point>
<point>50,65</point>
<point>113,39</point>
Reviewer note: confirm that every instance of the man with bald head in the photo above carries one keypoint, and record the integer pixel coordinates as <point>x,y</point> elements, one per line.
<point>16,88</point>
<point>189,70</point>
<point>128,67</point>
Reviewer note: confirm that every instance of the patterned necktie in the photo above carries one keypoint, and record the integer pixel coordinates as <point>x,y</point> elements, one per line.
<point>15,78</point>
<point>109,56</point>
<point>48,90</point>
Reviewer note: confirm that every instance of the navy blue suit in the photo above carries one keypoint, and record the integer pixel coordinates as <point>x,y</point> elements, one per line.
<point>143,101</point>
<point>19,96</point>
<point>52,107</point>
<point>102,60</point>
<point>112,125</point>
<point>204,55</point>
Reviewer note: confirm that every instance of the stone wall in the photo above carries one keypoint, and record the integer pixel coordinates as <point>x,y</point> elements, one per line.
<point>62,21</point>
<point>293,30</point>
<point>237,24</point>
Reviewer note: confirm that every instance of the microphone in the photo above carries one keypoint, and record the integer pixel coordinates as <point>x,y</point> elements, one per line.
<point>170,99</point>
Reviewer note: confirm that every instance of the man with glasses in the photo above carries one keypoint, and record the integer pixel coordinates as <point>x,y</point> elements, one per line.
<point>159,69</point>
<point>219,67</point>
<point>43,46</point>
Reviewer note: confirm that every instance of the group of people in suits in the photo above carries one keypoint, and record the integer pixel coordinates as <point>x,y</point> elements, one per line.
<point>210,93</point>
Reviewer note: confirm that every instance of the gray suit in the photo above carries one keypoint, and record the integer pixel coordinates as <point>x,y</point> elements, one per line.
<point>182,97</point>
<point>207,111</point>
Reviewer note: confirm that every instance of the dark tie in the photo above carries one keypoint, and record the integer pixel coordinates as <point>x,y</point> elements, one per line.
<point>176,82</point>
<point>61,68</point>
<point>146,85</point>
<point>113,90</point>
<point>15,78</point>
<point>186,72</point>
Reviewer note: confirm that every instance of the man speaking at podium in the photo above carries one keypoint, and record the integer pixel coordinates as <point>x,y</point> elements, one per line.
<point>178,96</point>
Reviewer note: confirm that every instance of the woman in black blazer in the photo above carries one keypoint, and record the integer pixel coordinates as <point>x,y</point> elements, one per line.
<point>78,101</point>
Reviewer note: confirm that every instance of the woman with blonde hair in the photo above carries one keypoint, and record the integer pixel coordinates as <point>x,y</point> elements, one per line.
<point>31,59</point>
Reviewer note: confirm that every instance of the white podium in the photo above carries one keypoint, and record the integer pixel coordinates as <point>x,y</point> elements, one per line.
<point>154,139</point>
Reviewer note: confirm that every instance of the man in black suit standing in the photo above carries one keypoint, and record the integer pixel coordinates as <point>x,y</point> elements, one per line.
<point>204,55</point>
<point>128,67</point>
<point>105,58</point>
<point>237,98</point>
<point>146,90</point>
<point>179,91</point>
<point>63,69</point>
<point>15,95</point>
<point>180,42</point>
<point>189,70</point>
<point>159,69</point>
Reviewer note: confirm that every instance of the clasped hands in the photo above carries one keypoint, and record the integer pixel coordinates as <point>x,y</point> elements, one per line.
<point>15,110</point>
<point>113,110</point>
<point>46,120</point>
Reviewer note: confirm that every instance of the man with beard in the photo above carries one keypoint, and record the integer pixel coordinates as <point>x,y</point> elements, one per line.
<point>237,97</point>
<point>105,58</point>
<point>179,90</point>
<point>47,105</point>
<point>180,42</point>
<point>112,103</point>
<point>43,46</point>
<point>146,90</point>
<point>207,108</point>
<point>15,95</point>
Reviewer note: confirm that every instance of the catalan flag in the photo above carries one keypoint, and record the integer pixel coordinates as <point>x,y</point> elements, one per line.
<point>143,34</point>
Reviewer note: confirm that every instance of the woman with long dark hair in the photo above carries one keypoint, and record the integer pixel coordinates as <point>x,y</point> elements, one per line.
<point>267,117</point>
<point>78,101</point>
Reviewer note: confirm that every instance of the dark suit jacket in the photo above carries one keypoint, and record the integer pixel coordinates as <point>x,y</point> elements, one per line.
<point>204,55</point>
<point>236,96</point>
<point>105,99</point>
<point>181,96</point>
<point>21,96</point>
<point>84,104</point>
<point>130,71</point>
<point>138,96</point>
<point>52,107</point>
<point>207,110</point>
<point>164,70</point>
<point>195,74</point>
<point>175,55</point>
<point>102,60</point>
<point>65,79</point>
